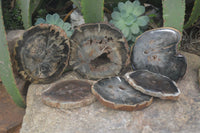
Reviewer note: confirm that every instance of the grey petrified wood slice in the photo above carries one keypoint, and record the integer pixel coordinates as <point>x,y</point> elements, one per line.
<point>42,53</point>
<point>69,94</point>
<point>98,50</point>
<point>156,50</point>
<point>116,93</point>
<point>153,84</point>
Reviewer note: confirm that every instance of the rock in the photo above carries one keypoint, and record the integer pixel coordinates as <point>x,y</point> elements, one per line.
<point>163,116</point>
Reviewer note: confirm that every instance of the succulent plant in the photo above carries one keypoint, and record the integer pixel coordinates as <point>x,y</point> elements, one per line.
<point>56,20</point>
<point>129,18</point>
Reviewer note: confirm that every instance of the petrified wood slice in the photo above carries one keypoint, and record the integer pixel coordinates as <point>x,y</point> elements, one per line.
<point>69,94</point>
<point>98,51</point>
<point>153,84</point>
<point>155,50</point>
<point>116,93</point>
<point>42,53</point>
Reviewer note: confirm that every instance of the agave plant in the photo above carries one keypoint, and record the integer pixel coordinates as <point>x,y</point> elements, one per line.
<point>56,20</point>
<point>129,18</point>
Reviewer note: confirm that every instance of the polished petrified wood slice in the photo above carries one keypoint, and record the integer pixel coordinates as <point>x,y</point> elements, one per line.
<point>42,53</point>
<point>69,94</point>
<point>98,50</point>
<point>155,50</point>
<point>116,93</point>
<point>153,84</point>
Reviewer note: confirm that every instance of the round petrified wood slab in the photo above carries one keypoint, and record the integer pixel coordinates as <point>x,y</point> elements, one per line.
<point>116,93</point>
<point>153,84</point>
<point>98,51</point>
<point>69,94</point>
<point>155,50</point>
<point>42,53</point>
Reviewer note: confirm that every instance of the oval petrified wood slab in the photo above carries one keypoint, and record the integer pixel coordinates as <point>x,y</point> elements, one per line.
<point>155,50</point>
<point>98,50</point>
<point>42,53</point>
<point>116,93</point>
<point>153,84</point>
<point>69,94</point>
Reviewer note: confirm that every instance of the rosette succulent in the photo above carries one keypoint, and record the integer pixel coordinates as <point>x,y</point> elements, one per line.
<point>56,20</point>
<point>129,18</point>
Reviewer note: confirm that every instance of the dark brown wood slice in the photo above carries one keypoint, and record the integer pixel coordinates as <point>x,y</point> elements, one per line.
<point>42,53</point>
<point>155,50</point>
<point>99,50</point>
<point>116,93</point>
<point>69,94</point>
<point>153,84</point>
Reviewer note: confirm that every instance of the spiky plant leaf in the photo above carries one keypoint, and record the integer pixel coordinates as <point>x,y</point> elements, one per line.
<point>92,10</point>
<point>6,72</point>
<point>24,5</point>
<point>174,13</point>
<point>194,15</point>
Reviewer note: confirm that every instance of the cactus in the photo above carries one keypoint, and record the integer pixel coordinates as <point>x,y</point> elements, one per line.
<point>194,15</point>
<point>92,10</point>
<point>129,19</point>
<point>6,71</point>
<point>56,20</point>
<point>174,13</point>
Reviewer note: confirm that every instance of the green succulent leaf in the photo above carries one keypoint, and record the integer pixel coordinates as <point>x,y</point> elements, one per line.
<point>60,23</point>
<point>121,6</point>
<point>129,18</point>
<point>135,28</point>
<point>143,20</point>
<point>124,14</point>
<point>116,15</point>
<point>125,31</point>
<point>129,7</point>
<point>130,36</point>
<point>49,19</point>
<point>39,21</point>
<point>56,20</point>
<point>66,26</point>
<point>120,24</point>
<point>139,10</point>
<point>136,3</point>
